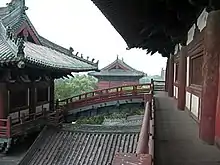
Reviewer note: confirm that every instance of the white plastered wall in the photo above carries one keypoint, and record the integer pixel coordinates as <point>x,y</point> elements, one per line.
<point>192,101</point>
<point>195,105</point>
<point>201,23</point>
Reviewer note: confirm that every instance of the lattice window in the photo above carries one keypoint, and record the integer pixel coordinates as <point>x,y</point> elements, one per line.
<point>196,76</point>
<point>42,94</point>
<point>18,99</point>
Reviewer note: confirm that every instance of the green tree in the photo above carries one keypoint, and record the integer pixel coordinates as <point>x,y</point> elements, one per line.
<point>74,86</point>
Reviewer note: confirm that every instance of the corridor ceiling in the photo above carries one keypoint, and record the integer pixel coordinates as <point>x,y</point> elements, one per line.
<point>155,25</point>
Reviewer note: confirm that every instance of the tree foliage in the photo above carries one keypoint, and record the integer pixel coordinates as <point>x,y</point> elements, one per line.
<point>74,86</point>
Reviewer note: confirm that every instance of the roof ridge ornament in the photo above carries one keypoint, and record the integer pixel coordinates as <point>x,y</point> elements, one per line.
<point>97,62</point>
<point>21,47</point>
<point>17,3</point>
<point>18,41</point>
<point>71,50</point>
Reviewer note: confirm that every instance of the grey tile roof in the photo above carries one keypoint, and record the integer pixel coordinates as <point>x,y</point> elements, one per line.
<point>52,58</point>
<point>38,55</point>
<point>50,54</point>
<point>111,71</point>
<point>67,147</point>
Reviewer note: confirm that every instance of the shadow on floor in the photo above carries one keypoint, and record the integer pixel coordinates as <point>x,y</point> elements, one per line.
<point>176,137</point>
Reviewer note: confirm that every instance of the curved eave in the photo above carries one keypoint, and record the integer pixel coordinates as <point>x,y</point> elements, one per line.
<point>153,25</point>
<point>113,11</point>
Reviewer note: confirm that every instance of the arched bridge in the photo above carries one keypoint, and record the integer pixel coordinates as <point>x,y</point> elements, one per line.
<point>99,98</point>
<point>129,94</point>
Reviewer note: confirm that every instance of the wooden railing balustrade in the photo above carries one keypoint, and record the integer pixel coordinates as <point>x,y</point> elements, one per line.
<point>158,85</point>
<point>104,95</point>
<point>146,137</point>
<point>5,125</point>
<point>10,127</point>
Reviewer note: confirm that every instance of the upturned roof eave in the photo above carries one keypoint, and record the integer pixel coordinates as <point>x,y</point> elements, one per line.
<point>17,12</point>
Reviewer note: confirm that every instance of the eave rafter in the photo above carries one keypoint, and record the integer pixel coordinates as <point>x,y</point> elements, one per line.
<point>155,25</point>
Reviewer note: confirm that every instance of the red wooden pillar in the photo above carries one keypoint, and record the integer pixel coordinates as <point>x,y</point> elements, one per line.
<point>171,76</point>
<point>182,79</point>
<point>32,97</point>
<point>51,95</point>
<point>167,76</point>
<point>3,102</point>
<point>210,82</point>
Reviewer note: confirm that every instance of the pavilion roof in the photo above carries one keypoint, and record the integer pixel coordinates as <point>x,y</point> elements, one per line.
<point>42,53</point>
<point>118,68</point>
<point>155,25</point>
<point>91,145</point>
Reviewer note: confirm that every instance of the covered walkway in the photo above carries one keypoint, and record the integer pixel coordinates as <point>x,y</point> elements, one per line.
<point>176,137</point>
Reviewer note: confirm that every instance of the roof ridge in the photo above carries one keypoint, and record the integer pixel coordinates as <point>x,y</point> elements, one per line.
<point>68,52</point>
<point>17,14</point>
<point>6,39</point>
<point>133,69</point>
<point>123,64</point>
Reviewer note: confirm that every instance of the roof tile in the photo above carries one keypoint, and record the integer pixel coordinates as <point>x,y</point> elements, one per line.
<point>85,148</point>
<point>48,55</point>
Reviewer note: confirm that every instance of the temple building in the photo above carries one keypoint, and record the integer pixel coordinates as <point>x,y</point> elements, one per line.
<point>29,64</point>
<point>117,73</point>
<point>187,33</point>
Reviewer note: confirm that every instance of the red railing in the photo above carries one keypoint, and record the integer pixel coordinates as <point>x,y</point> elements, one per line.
<point>105,95</point>
<point>5,125</point>
<point>9,128</point>
<point>145,148</point>
<point>146,141</point>
<point>13,127</point>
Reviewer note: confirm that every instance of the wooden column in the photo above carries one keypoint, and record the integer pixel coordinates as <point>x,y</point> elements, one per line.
<point>167,76</point>
<point>32,97</point>
<point>182,79</point>
<point>171,76</point>
<point>210,74</point>
<point>3,101</point>
<point>51,95</point>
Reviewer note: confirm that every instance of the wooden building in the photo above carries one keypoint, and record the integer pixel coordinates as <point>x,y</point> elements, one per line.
<point>117,73</point>
<point>29,64</point>
<point>187,33</point>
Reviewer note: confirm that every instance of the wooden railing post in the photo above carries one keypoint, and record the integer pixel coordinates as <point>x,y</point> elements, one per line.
<point>44,112</point>
<point>22,118</point>
<point>8,125</point>
<point>57,104</point>
<point>152,84</point>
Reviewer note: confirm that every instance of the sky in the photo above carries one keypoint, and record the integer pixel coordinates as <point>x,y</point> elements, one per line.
<point>80,24</point>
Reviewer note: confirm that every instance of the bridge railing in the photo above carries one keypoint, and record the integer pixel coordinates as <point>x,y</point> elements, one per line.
<point>105,95</point>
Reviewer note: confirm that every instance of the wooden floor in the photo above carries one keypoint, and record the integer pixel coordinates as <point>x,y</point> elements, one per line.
<point>176,137</point>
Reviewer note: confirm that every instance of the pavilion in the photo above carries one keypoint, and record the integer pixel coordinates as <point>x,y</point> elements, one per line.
<point>29,63</point>
<point>118,73</point>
